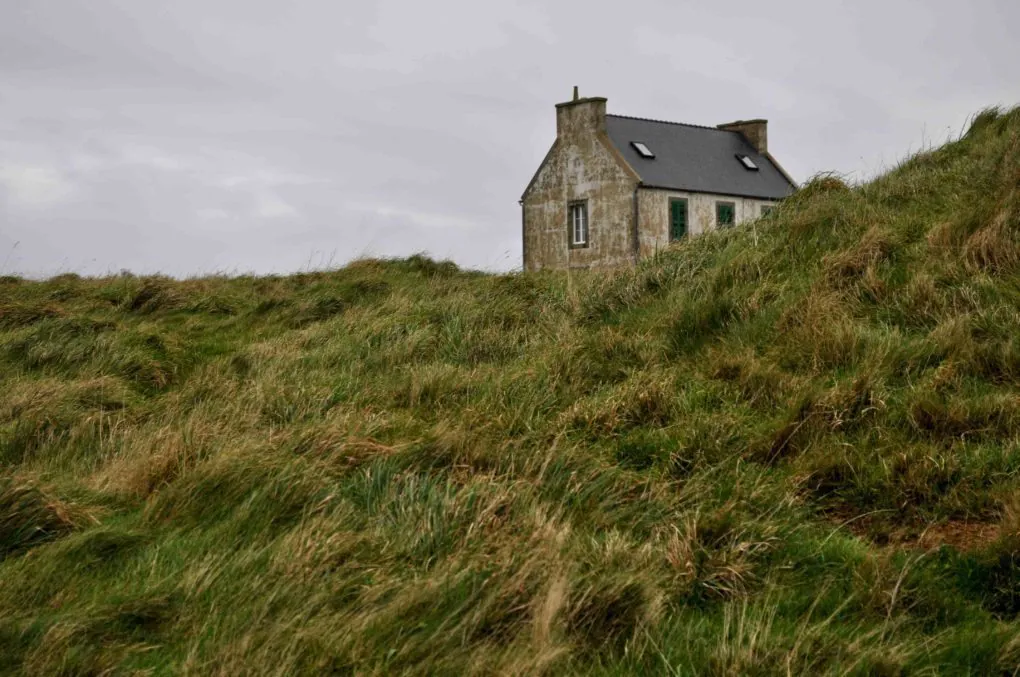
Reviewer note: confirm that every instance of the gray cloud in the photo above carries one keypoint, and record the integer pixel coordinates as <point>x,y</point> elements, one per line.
<point>229,136</point>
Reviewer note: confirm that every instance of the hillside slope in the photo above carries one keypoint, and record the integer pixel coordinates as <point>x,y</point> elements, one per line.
<point>791,447</point>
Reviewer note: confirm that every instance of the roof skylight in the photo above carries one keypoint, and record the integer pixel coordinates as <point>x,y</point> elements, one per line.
<point>642,149</point>
<point>747,162</point>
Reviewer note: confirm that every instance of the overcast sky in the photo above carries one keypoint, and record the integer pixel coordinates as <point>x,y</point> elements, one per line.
<point>233,136</point>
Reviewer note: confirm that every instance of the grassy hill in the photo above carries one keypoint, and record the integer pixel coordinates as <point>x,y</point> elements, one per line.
<point>788,448</point>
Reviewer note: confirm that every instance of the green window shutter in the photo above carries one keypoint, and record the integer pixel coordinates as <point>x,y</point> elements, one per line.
<point>677,219</point>
<point>725,214</point>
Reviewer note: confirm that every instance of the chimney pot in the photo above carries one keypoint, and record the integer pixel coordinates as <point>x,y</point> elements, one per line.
<point>576,96</point>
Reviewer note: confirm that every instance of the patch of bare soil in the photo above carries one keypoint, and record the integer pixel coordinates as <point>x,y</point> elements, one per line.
<point>963,535</point>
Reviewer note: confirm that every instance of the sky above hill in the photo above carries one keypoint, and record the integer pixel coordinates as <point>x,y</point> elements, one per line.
<point>235,136</point>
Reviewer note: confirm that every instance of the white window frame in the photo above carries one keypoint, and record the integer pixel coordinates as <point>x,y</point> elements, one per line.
<point>748,163</point>
<point>577,220</point>
<point>643,150</point>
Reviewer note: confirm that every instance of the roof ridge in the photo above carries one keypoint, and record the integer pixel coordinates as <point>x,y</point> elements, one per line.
<point>668,122</point>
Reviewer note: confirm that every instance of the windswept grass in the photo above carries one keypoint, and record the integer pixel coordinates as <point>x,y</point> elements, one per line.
<point>786,450</point>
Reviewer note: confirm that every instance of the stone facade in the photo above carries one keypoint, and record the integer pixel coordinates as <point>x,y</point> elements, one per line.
<point>654,214</point>
<point>626,220</point>
<point>581,165</point>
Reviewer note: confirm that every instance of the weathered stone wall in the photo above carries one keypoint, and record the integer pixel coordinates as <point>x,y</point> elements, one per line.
<point>654,215</point>
<point>581,165</point>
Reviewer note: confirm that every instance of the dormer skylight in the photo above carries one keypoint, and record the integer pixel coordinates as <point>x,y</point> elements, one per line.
<point>748,163</point>
<point>642,149</point>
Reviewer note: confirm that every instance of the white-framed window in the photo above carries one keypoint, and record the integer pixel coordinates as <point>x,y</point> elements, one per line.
<point>577,223</point>
<point>748,163</point>
<point>642,149</point>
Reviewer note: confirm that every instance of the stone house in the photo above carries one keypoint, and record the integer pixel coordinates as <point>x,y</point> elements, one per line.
<point>614,189</point>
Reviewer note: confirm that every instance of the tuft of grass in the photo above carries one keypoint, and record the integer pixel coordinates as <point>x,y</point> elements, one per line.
<point>28,517</point>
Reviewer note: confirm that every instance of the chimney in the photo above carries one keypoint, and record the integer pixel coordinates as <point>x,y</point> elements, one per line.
<point>580,116</point>
<point>755,131</point>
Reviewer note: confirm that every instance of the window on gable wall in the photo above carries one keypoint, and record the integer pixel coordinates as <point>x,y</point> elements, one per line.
<point>577,224</point>
<point>725,214</point>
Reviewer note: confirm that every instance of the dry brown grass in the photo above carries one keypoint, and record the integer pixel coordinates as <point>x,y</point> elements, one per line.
<point>819,332</point>
<point>849,265</point>
<point>995,248</point>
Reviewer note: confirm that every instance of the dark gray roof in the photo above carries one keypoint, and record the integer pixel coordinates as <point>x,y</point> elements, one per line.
<point>701,159</point>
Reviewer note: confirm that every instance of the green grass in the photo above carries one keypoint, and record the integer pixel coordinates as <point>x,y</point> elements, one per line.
<point>788,448</point>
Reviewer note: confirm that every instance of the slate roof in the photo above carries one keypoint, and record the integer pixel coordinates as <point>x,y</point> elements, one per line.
<point>701,159</point>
